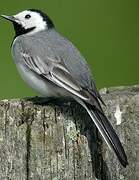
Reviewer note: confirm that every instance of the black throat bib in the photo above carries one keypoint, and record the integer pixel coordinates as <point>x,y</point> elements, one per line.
<point>20,30</point>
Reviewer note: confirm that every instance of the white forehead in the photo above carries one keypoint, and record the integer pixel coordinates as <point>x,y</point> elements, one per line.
<point>24,13</point>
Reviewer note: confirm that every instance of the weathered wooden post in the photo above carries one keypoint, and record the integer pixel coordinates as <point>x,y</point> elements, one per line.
<point>60,142</point>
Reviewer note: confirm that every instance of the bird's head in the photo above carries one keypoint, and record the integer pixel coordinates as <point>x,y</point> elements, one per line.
<point>30,21</point>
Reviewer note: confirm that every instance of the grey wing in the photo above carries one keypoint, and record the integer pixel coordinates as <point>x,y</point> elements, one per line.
<point>74,61</point>
<point>57,54</point>
<point>55,72</point>
<point>53,68</point>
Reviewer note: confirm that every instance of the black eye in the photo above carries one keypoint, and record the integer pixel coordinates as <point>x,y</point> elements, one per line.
<point>28,16</point>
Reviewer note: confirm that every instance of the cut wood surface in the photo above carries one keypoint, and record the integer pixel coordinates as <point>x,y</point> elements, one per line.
<point>60,142</point>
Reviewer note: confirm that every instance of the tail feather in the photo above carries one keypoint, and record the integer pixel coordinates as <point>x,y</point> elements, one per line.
<point>107,132</point>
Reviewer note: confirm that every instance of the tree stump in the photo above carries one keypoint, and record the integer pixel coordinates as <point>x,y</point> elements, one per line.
<point>60,142</point>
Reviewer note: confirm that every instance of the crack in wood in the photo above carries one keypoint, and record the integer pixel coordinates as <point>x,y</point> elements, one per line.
<point>28,150</point>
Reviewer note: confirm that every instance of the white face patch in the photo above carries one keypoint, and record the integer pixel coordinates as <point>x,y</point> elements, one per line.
<point>35,20</point>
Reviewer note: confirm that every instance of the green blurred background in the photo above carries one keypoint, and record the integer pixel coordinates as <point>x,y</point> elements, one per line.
<point>106,32</point>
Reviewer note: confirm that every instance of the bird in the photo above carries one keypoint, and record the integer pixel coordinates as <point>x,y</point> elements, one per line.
<point>55,68</point>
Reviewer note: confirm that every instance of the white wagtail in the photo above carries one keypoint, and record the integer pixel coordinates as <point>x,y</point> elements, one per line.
<point>54,67</point>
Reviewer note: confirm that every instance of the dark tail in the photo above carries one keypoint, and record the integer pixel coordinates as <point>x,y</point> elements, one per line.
<point>107,132</point>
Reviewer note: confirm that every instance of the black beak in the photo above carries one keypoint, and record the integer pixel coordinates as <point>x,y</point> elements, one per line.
<point>9,18</point>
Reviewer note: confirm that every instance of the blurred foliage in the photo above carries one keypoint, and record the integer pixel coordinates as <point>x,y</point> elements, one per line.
<point>106,33</point>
